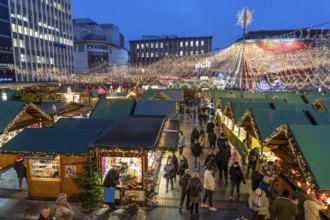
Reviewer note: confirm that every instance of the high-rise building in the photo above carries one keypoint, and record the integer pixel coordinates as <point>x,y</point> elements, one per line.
<point>97,47</point>
<point>152,48</point>
<point>42,39</point>
<point>6,48</point>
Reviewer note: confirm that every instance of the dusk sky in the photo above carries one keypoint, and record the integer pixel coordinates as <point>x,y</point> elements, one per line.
<point>185,18</point>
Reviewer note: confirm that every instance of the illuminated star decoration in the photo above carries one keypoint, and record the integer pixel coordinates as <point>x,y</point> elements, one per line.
<point>244,17</point>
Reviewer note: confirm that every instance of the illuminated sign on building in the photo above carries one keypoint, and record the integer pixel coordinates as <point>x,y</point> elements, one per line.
<point>202,65</point>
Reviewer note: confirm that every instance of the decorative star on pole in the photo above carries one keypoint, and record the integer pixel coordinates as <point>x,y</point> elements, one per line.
<point>244,17</point>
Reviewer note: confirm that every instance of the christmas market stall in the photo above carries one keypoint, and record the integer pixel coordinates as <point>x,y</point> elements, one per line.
<point>260,123</point>
<point>303,152</point>
<point>133,143</point>
<point>53,157</point>
<point>321,105</point>
<point>113,109</point>
<point>14,117</point>
<point>156,107</point>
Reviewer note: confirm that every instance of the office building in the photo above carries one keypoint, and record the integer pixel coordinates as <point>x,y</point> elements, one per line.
<point>41,32</point>
<point>152,48</point>
<point>97,47</point>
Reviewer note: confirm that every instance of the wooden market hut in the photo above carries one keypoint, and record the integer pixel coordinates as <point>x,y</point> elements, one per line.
<point>321,105</point>
<point>113,109</point>
<point>304,152</point>
<point>260,123</point>
<point>53,157</point>
<point>14,116</point>
<point>134,142</point>
<point>64,109</point>
<point>155,107</point>
<point>82,123</point>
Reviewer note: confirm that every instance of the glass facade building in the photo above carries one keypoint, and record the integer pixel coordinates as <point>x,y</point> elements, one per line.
<point>42,39</point>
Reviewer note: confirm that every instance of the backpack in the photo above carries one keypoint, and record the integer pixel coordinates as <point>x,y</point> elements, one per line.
<point>194,190</point>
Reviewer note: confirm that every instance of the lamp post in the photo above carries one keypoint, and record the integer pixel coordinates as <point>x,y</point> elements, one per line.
<point>244,18</point>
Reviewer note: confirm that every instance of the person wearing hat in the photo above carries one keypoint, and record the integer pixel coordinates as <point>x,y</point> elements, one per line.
<point>20,169</point>
<point>312,207</point>
<point>209,186</point>
<point>259,203</point>
<point>63,211</point>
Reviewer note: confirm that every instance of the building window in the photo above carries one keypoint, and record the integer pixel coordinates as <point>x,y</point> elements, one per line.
<point>151,54</point>
<point>202,51</point>
<point>142,54</point>
<point>196,52</point>
<point>151,45</point>
<point>166,54</point>
<point>81,48</point>
<point>147,54</point>
<point>156,45</point>
<point>23,58</point>
<point>147,45</point>
<point>137,46</point>
<point>191,43</point>
<point>186,44</point>
<point>191,52</point>
<point>161,45</point>
<point>137,55</point>
<point>181,53</point>
<point>181,44</point>
<point>196,43</point>
<point>142,46</point>
<point>202,42</point>
<point>156,54</point>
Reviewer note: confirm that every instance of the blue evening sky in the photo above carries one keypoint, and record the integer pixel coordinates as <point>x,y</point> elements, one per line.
<point>186,18</point>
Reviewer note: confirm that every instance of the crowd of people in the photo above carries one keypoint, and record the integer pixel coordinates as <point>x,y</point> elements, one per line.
<point>226,162</point>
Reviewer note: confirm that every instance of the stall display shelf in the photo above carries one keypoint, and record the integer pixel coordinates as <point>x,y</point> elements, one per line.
<point>150,196</point>
<point>45,168</point>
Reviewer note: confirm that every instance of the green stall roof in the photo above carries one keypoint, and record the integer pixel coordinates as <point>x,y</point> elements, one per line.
<point>8,111</point>
<point>239,108</point>
<point>321,118</point>
<point>295,107</point>
<point>148,94</point>
<point>269,120</point>
<point>112,109</point>
<point>155,107</point>
<point>247,95</point>
<point>313,143</point>
<point>326,104</point>
<point>82,123</point>
<point>51,140</point>
<point>311,97</point>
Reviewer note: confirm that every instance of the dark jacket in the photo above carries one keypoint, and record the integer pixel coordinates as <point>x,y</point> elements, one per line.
<point>175,161</point>
<point>209,127</point>
<point>254,154</point>
<point>49,218</point>
<point>196,149</point>
<point>183,166</point>
<point>236,174</point>
<point>256,178</point>
<point>112,178</point>
<point>194,135</point>
<point>20,169</point>
<point>284,209</point>
<point>212,137</point>
<point>221,141</point>
<point>170,170</point>
<point>184,183</point>
<point>264,186</point>
<point>223,156</point>
<point>198,183</point>
<point>208,158</point>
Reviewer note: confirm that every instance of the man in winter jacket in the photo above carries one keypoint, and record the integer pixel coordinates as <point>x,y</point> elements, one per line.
<point>259,203</point>
<point>196,150</point>
<point>284,208</point>
<point>236,177</point>
<point>182,143</point>
<point>222,157</point>
<point>253,158</point>
<point>194,135</point>
<point>170,172</point>
<point>209,186</point>
<point>212,139</point>
<point>184,189</point>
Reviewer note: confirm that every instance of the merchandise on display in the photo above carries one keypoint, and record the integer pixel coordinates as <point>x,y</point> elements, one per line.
<point>45,168</point>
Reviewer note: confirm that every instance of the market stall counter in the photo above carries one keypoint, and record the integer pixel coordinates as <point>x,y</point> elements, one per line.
<point>53,157</point>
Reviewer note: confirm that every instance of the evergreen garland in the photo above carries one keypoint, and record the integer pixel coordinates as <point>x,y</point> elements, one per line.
<point>90,182</point>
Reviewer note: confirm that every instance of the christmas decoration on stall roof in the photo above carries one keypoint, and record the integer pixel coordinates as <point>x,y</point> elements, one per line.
<point>90,184</point>
<point>254,125</point>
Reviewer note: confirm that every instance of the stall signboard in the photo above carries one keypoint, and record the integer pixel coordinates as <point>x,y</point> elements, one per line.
<point>70,171</point>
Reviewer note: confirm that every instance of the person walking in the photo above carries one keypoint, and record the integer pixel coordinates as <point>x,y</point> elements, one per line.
<point>221,140</point>
<point>209,157</point>
<point>236,177</point>
<point>253,158</point>
<point>312,207</point>
<point>212,139</point>
<point>222,157</point>
<point>210,127</point>
<point>183,165</point>
<point>245,152</point>
<point>284,208</point>
<point>196,150</point>
<point>256,176</point>
<point>217,130</point>
<point>258,202</point>
<point>182,142</point>
<point>194,135</point>
<point>20,169</point>
<point>209,186</point>
<point>195,187</point>
<point>184,189</point>
<point>63,210</point>
<point>175,162</point>
<point>169,173</point>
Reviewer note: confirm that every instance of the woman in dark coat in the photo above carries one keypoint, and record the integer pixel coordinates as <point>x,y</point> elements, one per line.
<point>20,168</point>
<point>183,165</point>
<point>256,176</point>
<point>175,162</point>
<point>236,177</point>
<point>195,187</point>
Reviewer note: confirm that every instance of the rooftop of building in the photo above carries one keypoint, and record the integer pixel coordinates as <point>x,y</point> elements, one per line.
<point>166,37</point>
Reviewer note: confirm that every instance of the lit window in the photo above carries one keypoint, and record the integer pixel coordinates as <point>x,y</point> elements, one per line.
<point>181,53</point>
<point>166,54</point>
<point>196,52</point>
<point>161,45</point>
<point>156,54</point>
<point>186,44</point>
<point>23,57</point>
<point>147,54</point>
<point>181,44</point>
<point>137,46</point>
<point>147,45</point>
<point>202,51</point>
<point>151,54</point>
<point>151,45</point>
<point>191,43</point>
<point>202,42</point>
<point>142,54</point>
<point>142,46</point>
<point>19,29</point>
<point>13,26</point>
<point>156,45</point>
<point>137,55</point>
<point>191,53</point>
<point>196,43</point>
